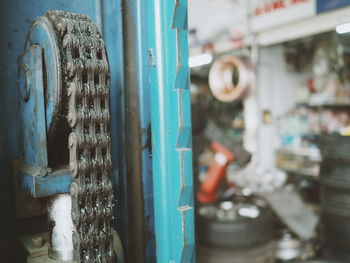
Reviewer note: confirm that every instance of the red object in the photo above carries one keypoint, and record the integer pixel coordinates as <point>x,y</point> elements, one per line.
<point>223,157</point>
<point>206,199</point>
<point>311,85</point>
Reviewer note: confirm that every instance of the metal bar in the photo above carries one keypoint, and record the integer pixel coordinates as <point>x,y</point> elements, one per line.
<point>133,146</point>
<point>171,131</point>
<point>138,128</point>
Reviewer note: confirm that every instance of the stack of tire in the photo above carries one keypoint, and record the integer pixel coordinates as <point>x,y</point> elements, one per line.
<point>237,240</point>
<point>318,261</point>
<point>335,194</point>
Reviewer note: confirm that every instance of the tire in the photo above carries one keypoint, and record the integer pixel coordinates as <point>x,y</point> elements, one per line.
<point>319,261</point>
<point>337,235</point>
<point>335,194</point>
<point>337,232</point>
<point>335,201</point>
<point>335,147</point>
<point>340,254</point>
<point>335,174</point>
<point>262,254</point>
<point>241,233</point>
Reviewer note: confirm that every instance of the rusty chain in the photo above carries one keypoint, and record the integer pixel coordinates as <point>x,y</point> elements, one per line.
<point>86,85</point>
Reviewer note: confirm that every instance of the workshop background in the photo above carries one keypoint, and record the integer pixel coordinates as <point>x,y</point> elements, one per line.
<point>209,131</point>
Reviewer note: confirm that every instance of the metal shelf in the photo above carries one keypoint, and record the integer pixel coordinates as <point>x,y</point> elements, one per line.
<point>300,172</point>
<point>345,106</point>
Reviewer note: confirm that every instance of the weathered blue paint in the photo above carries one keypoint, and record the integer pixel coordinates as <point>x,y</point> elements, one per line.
<point>32,107</point>
<point>171,130</point>
<point>42,33</point>
<point>32,173</point>
<point>34,183</point>
<point>15,19</point>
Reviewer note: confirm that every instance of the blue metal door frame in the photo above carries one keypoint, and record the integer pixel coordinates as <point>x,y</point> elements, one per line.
<point>156,43</point>
<point>171,130</point>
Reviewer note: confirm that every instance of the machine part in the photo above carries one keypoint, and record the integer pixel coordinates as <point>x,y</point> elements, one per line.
<point>299,217</point>
<point>40,182</point>
<point>37,242</point>
<point>222,158</point>
<point>234,225</point>
<point>26,206</point>
<point>288,248</point>
<point>17,15</point>
<point>42,33</point>
<point>264,253</point>
<point>230,78</point>
<point>32,249</point>
<point>76,76</point>
<point>60,227</point>
<point>32,107</point>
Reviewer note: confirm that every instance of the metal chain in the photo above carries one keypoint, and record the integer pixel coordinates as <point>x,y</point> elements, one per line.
<point>86,81</point>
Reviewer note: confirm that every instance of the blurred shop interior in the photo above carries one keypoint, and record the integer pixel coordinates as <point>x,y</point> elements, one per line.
<point>270,94</point>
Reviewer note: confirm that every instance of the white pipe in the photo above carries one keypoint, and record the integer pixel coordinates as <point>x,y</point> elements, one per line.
<point>60,227</point>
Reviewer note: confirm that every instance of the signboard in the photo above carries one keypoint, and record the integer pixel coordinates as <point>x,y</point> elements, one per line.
<point>267,14</point>
<point>328,5</point>
<point>215,19</point>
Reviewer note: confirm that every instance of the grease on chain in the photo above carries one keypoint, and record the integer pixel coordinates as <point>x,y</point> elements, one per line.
<point>86,80</point>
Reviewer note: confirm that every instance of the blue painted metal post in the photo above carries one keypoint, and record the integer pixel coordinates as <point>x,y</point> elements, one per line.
<point>171,131</point>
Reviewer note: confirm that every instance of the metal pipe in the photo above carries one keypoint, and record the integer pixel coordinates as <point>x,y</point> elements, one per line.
<point>60,227</point>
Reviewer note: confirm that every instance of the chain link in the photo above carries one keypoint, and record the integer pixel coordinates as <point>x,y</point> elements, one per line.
<point>86,80</point>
